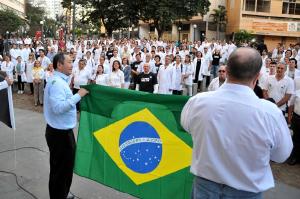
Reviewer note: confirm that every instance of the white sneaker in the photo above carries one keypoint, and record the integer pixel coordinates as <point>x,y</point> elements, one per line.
<point>19,92</point>
<point>22,92</point>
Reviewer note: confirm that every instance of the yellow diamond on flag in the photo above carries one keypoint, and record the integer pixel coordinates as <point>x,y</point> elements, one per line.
<point>144,148</point>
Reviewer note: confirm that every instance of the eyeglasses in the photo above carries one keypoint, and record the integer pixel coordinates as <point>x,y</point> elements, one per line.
<point>222,71</point>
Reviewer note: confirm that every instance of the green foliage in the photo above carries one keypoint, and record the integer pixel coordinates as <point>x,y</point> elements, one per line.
<point>121,14</point>
<point>243,36</point>
<point>34,16</point>
<point>9,21</point>
<point>163,13</point>
<point>219,18</point>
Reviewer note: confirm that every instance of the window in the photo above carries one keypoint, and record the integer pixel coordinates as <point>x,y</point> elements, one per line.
<point>291,7</point>
<point>257,5</point>
<point>263,5</point>
<point>250,5</point>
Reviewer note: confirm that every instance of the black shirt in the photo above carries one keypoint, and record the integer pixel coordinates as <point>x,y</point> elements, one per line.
<point>109,54</point>
<point>134,66</point>
<point>147,82</point>
<point>216,59</point>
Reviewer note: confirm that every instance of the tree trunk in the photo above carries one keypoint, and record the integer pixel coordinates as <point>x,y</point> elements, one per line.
<point>218,31</point>
<point>109,32</point>
<point>159,29</point>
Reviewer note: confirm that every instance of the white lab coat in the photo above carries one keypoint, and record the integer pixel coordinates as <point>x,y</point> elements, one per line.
<point>164,78</point>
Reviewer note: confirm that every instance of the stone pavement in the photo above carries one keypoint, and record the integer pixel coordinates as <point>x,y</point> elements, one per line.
<point>32,167</point>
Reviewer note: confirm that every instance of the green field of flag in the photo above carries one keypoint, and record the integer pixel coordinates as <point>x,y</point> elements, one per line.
<point>133,142</point>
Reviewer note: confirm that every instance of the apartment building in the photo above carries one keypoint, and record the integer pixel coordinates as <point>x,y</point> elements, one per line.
<point>273,21</point>
<point>18,6</point>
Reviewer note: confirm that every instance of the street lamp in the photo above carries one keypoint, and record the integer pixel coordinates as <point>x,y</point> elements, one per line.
<point>42,35</point>
<point>132,29</point>
<point>7,43</point>
<point>179,29</point>
<point>195,27</point>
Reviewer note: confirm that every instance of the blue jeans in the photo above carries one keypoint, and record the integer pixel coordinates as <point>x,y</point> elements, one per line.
<point>206,189</point>
<point>214,70</point>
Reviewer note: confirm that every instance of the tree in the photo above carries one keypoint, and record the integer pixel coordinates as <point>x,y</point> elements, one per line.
<point>219,18</point>
<point>243,36</point>
<point>9,21</point>
<point>162,13</point>
<point>34,16</point>
<point>121,14</point>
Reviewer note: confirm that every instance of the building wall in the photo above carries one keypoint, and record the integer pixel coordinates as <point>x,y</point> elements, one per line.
<point>190,34</point>
<point>18,6</point>
<point>273,26</point>
<point>51,7</point>
<point>233,8</point>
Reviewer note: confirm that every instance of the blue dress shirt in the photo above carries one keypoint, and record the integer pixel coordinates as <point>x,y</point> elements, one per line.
<point>60,103</point>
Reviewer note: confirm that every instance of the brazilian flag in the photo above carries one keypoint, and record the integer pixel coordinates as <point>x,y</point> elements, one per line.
<point>133,142</point>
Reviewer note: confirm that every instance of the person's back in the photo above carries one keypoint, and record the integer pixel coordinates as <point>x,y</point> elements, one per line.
<point>235,134</point>
<point>239,132</point>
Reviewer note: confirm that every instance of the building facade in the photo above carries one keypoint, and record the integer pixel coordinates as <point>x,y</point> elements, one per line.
<point>52,8</point>
<point>197,28</point>
<point>271,21</point>
<point>18,6</point>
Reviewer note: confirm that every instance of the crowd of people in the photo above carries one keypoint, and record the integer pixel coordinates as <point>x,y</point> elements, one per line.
<point>174,68</point>
<point>154,66</point>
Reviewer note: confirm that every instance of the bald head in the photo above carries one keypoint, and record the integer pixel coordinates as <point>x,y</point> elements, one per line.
<point>244,64</point>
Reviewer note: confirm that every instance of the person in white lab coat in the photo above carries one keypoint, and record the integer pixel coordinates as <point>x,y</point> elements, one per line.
<point>164,77</point>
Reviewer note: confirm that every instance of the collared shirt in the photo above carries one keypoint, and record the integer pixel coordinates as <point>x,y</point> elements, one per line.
<point>235,134</point>
<point>45,61</point>
<point>81,77</point>
<point>215,84</point>
<point>60,103</point>
<point>295,99</point>
<point>278,89</point>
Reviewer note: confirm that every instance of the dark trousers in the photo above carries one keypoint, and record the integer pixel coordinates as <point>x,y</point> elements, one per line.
<point>62,146</point>
<point>175,92</point>
<point>20,83</point>
<point>296,136</point>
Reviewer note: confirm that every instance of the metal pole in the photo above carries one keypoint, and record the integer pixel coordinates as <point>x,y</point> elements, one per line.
<point>74,21</point>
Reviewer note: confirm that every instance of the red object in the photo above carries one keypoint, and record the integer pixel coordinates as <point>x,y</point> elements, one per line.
<point>61,44</point>
<point>38,34</point>
<point>61,33</point>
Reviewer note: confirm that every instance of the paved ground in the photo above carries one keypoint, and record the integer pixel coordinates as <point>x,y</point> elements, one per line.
<point>32,168</point>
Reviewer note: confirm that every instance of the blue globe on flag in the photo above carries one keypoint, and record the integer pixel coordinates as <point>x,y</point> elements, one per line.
<point>140,147</point>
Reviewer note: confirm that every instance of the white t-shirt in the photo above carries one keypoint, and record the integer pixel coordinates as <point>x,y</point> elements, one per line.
<point>116,79</point>
<point>81,77</point>
<point>102,79</point>
<point>277,89</point>
<point>235,135</point>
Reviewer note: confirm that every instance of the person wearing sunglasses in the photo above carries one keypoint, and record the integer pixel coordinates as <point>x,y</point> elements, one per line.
<point>218,81</point>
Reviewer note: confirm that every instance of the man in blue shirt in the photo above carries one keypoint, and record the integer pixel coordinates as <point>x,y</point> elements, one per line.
<point>60,115</point>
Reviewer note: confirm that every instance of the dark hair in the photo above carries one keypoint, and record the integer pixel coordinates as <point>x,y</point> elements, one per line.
<point>42,50</point>
<point>289,51</point>
<point>113,68</point>
<point>127,62</point>
<point>244,64</point>
<point>101,67</point>
<point>157,56</point>
<point>58,58</point>
<point>273,62</point>
<point>295,60</point>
